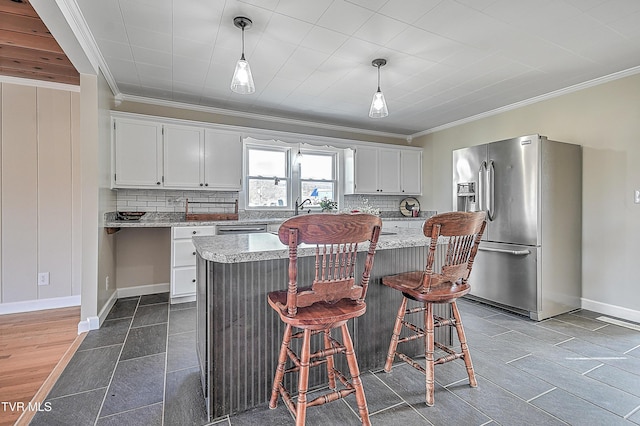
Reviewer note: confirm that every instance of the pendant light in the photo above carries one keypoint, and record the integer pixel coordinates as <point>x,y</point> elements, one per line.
<point>299,157</point>
<point>378,104</point>
<point>242,81</point>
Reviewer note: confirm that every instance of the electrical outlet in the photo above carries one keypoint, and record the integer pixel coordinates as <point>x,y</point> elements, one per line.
<point>106,283</point>
<point>636,197</point>
<point>43,278</point>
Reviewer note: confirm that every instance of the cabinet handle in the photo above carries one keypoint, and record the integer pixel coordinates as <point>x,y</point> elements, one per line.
<point>201,184</point>
<point>157,183</point>
<point>194,253</point>
<point>195,232</point>
<point>206,184</point>
<point>193,280</point>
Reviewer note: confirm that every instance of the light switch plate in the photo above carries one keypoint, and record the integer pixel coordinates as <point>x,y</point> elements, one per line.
<point>636,197</point>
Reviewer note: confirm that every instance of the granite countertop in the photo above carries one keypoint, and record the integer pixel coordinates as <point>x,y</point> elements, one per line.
<point>267,246</point>
<point>157,220</point>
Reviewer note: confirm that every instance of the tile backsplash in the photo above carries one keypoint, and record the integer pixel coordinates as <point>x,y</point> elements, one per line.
<point>168,201</point>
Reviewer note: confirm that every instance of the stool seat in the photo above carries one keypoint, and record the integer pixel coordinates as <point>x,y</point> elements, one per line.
<point>410,284</point>
<point>321,314</point>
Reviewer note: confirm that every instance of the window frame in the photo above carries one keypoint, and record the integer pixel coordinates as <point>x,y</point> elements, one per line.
<point>248,146</point>
<point>333,153</point>
<point>293,172</point>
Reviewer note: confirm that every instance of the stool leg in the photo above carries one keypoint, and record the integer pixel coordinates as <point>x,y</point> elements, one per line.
<point>428,351</point>
<point>305,355</point>
<point>397,328</point>
<point>330,365</point>
<point>282,359</point>
<point>355,375</point>
<point>463,344</point>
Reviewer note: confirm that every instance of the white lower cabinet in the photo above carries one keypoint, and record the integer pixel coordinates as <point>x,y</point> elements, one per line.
<point>183,260</point>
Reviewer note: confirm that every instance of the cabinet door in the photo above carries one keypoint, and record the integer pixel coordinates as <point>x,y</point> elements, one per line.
<point>411,172</point>
<point>222,160</point>
<point>366,170</point>
<point>183,282</point>
<point>137,154</point>
<point>183,157</point>
<point>389,171</point>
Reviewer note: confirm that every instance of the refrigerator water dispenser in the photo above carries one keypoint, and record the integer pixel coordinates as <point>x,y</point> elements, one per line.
<point>466,197</point>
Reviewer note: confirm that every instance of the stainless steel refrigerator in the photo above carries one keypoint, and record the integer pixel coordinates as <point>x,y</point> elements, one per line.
<point>531,189</point>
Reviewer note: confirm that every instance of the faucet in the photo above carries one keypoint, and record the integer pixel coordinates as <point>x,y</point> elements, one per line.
<point>297,206</point>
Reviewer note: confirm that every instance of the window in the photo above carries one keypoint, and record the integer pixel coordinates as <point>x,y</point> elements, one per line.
<point>318,177</point>
<point>275,179</point>
<point>267,177</point>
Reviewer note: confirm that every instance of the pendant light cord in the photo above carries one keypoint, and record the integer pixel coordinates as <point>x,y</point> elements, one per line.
<point>242,57</point>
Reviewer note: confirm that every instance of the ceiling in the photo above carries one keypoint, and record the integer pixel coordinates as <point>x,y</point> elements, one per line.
<point>27,48</point>
<point>448,60</point>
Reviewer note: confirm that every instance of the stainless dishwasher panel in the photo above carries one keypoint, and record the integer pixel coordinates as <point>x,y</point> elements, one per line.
<point>241,229</point>
<point>507,274</point>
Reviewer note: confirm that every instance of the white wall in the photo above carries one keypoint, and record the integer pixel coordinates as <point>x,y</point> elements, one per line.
<point>605,121</point>
<point>98,248</point>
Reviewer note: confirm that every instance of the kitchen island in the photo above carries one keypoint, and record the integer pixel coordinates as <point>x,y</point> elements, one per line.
<point>239,335</point>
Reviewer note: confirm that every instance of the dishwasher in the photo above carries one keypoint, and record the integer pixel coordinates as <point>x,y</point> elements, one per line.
<point>241,229</point>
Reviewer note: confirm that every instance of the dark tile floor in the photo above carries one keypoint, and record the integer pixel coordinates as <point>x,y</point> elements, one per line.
<point>141,368</point>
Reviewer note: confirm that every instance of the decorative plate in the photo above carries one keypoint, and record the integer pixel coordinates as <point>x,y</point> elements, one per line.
<point>408,206</point>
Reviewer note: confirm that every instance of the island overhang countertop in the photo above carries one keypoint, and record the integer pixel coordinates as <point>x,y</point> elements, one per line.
<point>267,246</point>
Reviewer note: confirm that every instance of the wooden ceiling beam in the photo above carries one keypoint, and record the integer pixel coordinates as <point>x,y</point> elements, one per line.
<point>23,24</point>
<point>33,55</point>
<point>12,38</point>
<point>40,76</point>
<point>46,68</point>
<point>23,8</point>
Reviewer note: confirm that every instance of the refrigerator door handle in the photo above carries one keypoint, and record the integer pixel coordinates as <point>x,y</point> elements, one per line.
<point>490,191</point>
<point>513,252</point>
<point>481,191</point>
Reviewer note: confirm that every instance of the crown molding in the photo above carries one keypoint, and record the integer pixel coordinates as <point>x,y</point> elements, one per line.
<point>254,116</point>
<point>80,29</point>
<point>576,87</point>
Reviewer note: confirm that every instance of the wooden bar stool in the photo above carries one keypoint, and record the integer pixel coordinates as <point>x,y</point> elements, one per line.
<point>333,298</point>
<point>461,232</point>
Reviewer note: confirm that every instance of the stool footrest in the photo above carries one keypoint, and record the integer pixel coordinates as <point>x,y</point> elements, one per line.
<point>410,361</point>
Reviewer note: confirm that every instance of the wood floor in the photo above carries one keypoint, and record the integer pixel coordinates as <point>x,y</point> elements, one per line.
<point>31,345</point>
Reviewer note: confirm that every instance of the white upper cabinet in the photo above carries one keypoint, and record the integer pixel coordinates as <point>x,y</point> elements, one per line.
<point>150,153</point>
<point>384,171</point>
<point>388,171</point>
<point>183,156</point>
<point>411,172</point>
<point>137,154</point>
<point>222,160</point>
<point>365,171</point>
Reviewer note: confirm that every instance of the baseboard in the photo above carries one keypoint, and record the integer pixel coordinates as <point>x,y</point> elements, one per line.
<point>142,290</point>
<point>39,305</point>
<point>91,323</point>
<point>611,310</point>
<point>94,323</point>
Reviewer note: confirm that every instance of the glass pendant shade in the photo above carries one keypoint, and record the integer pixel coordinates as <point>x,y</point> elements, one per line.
<point>242,81</point>
<point>378,106</point>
